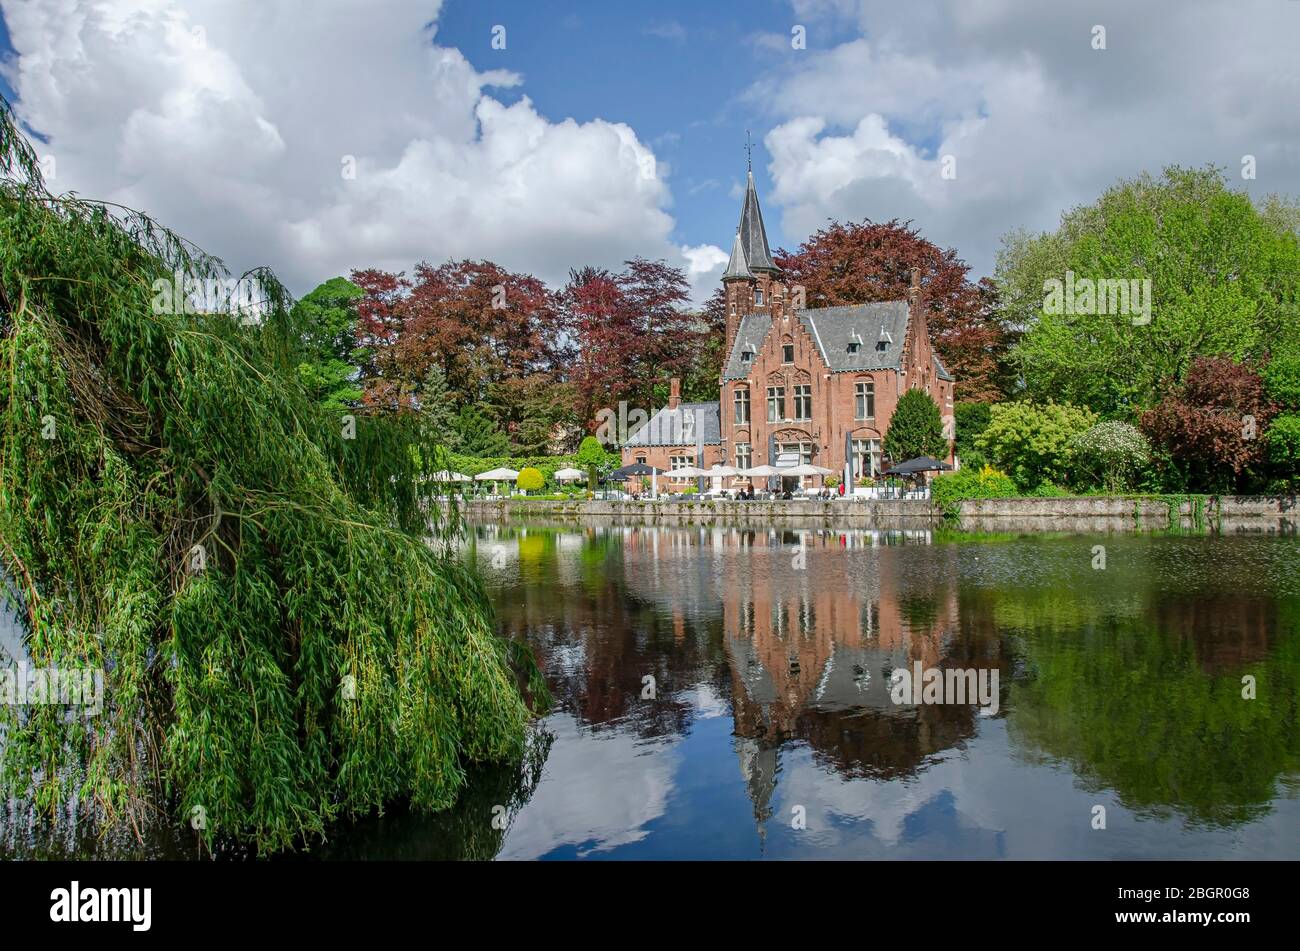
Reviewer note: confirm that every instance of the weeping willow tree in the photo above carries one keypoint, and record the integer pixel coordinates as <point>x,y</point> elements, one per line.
<point>281,642</point>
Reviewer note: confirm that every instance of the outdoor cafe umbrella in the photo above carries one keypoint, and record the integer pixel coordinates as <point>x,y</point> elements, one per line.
<point>918,465</point>
<point>569,475</point>
<point>448,476</point>
<point>498,475</point>
<point>806,469</point>
<point>761,472</point>
<point>688,472</point>
<point>638,469</point>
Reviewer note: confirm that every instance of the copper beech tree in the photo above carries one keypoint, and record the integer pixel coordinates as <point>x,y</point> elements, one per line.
<point>858,263</point>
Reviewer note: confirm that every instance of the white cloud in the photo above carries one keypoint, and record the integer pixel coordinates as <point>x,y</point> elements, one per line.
<point>231,120</point>
<point>1034,117</point>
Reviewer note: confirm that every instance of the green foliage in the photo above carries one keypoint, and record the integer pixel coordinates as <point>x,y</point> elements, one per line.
<point>594,459</point>
<point>280,644</point>
<point>948,491</point>
<point>916,429</point>
<point>1283,441</point>
<point>474,434</point>
<point>327,318</point>
<point>1111,454</point>
<point>530,479</point>
<point>1225,280</point>
<point>1034,443</point>
<point>1282,380</point>
<point>970,420</point>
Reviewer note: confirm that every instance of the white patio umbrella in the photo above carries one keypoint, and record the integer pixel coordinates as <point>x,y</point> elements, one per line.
<point>723,471</point>
<point>807,469</point>
<point>498,475</point>
<point>569,475</point>
<point>761,472</point>
<point>446,475</point>
<point>688,472</point>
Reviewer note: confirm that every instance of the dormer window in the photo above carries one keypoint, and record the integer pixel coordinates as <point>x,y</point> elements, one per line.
<point>854,346</point>
<point>882,345</point>
<point>883,342</point>
<point>746,356</point>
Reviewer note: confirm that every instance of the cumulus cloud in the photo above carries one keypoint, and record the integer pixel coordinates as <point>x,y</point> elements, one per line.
<point>320,136</point>
<point>1035,119</point>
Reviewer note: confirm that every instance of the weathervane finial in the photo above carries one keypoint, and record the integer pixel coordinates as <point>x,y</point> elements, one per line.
<point>749,152</point>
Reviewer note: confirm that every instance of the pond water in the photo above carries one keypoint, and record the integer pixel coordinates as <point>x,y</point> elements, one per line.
<point>729,693</point>
<point>772,729</point>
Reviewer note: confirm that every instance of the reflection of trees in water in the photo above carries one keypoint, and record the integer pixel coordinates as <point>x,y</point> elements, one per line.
<point>1131,675</point>
<point>1140,690</point>
<point>597,636</point>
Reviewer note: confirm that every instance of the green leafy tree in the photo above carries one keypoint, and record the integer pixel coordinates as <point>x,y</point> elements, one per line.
<point>477,435</point>
<point>327,323</point>
<point>1224,281</point>
<point>1282,385</point>
<point>591,457</point>
<point>1035,442</point>
<point>279,643</point>
<point>915,429</point>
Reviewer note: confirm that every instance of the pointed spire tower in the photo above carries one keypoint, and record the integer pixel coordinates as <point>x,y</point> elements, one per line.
<point>738,266</point>
<point>753,235</point>
<point>751,273</point>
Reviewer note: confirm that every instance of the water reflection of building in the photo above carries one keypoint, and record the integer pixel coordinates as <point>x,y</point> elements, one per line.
<point>816,622</point>
<point>800,629</point>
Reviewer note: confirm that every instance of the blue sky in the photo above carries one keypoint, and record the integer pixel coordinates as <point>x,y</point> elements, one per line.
<point>317,136</point>
<point>676,71</point>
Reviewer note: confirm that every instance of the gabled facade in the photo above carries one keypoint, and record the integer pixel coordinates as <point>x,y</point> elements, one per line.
<point>811,385</point>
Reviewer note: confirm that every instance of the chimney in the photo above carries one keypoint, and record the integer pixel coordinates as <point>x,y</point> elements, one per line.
<point>915,294</point>
<point>674,393</point>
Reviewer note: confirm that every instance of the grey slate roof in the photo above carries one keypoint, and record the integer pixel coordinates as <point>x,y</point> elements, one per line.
<point>669,427</point>
<point>749,336</point>
<point>753,234</point>
<point>832,329</point>
<point>737,267</point>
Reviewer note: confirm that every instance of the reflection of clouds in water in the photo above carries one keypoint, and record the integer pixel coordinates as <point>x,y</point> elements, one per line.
<point>959,807</point>
<point>599,791</point>
<point>705,702</point>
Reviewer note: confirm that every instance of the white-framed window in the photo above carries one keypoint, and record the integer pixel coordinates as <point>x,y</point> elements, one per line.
<point>864,400</point>
<point>744,455</point>
<point>675,463</point>
<point>741,404</point>
<point>775,404</point>
<point>758,296</point>
<point>803,401</point>
<point>866,458</point>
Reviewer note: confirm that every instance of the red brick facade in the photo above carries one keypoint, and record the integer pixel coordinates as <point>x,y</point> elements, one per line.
<point>786,392</point>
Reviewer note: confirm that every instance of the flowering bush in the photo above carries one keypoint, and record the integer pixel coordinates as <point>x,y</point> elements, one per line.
<point>1112,454</point>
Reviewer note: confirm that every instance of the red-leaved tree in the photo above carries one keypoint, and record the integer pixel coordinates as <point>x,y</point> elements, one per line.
<point>1212,424</point>
<point>859,263</point>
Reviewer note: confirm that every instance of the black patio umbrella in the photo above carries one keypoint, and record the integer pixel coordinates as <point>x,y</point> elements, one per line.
<point>918,465</point>
<point>635,469</point>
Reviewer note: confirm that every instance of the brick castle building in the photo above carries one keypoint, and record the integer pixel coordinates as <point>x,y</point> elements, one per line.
<point>798,385</point>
